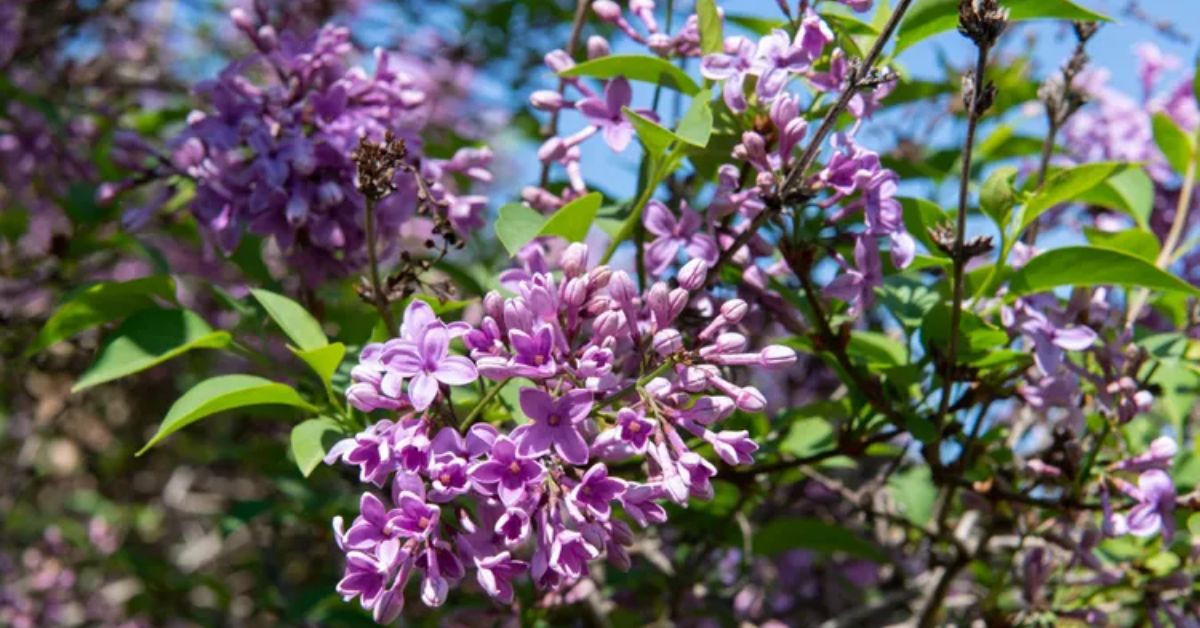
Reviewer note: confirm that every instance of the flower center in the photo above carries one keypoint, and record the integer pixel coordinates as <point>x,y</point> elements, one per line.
<point>635,427</point>
<point>539,360</point>
<point>552,419</point>
<point>514,467</point>
<point>423,522</point>
<point>444,478</point>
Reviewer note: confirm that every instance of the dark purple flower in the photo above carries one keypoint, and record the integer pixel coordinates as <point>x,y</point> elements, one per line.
<point>1155,510</point>
<point>413,517</point>
<point>534,354</point>
<point>510,473</point>
<point>634,428</point>
<point>553,424</point>
<point>495,574</point>
<point>570,554</point>
<point>595,490</point>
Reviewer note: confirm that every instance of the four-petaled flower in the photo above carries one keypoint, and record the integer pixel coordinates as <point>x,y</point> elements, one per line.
<point>606,113</point>
<point>509,472</point>
<point>427,361</point>
<point>594,492</point>
<point>674,233</point>
<point>553,424</point>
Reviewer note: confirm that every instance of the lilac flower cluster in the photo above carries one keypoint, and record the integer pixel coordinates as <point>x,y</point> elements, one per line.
<point>608,376</point>
<point>272,154</point>
<point>685,43</point>
<point>853,180</point>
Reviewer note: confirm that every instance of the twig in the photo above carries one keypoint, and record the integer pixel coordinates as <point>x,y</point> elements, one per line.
<point>477,411</point>
<point>377,291</point>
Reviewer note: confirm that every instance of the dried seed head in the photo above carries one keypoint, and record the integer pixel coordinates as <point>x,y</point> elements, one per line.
<point>982,21</point>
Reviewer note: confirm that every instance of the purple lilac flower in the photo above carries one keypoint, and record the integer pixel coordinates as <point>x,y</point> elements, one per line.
<point>672,234</point>
<point>428,362</point>
<point>1154,511</point>
<point>553,424</point>
<point>732,67</point>
<point>509,473</point>
<point>594,493</point>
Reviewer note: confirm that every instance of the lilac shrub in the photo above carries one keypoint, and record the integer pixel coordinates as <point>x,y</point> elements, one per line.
<point>807,371</point>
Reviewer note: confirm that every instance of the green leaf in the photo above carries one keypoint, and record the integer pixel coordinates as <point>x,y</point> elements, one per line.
<point>1130,191</point>
<point>517,224</point>
<point>696,125</point>
<point>808,435</point>
<point>976,337</point>
<point>996,197</point>
<point>573,220</point>
<point>1066,185</point>
<point>221,393</point>
<point>920,216</point>
<point>929,17</point>
<point>786,533</point>
<point>711,39</point>
<point>1136,242</point>
<point>148,338</point>
<point>643,68</point>
<point>1092,266</point>
<point>1196,80</point>
<point>293,319</point>
<point>914,491</point>
<point>848,25</point>
<point>655,137</point>
<point>324,361</point>
<point>99,304</point>
<point>755,24</point>
<point>311,440</point>
<point>1176,144</point>
<point>876,349</point>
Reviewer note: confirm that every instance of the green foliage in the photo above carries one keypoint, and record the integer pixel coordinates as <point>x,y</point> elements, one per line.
<point>997,197</point>
<point>148,338</point>
<point>914,491</point>
<point>1176,145</point>
<point>643,68</point>
<point>311,440</point>
<point>930,17</point>
<point>711,38</point>
<point>517,224</point>
<point>1066,185</point>
<point>1093,266</point>
<point>293,319</point>
<point>224,392</point>
<point>102,303</point>
<point>787,533</point>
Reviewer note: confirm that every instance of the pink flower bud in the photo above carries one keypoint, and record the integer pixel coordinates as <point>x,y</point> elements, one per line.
<point>554,149</point>
<point>575,293</point>
<point>546,100</point>
<point>621,288</point>
<point>668,341</point>
<point>599,277</point>
<point>751,400</point>
<point>493,305</point>
<point>730,342</point>
<point>559,61</point>
<point>660,44</point>
<point>776,356</point>
<point>242,20</point>
<point>574,259</point>
<point>597,47</point>
<point>692,275</point>
<point>734,310</point>
<point>608,323</point>
<point>607,10</point>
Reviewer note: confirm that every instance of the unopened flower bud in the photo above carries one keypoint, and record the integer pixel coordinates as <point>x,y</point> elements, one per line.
<point>621,288</point>
<point>559,61</point>
<point>597,47</point>
<point>554,149</point>
<point>668,341</point>
<point>776,356</point>
<point>692,275</point>
<point>734,310</point>
<point>574,259</point>
<point>546,100</point>
<point>607,10</point>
